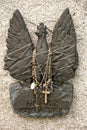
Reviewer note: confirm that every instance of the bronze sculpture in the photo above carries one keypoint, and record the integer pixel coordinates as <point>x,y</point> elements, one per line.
<point>43,71</point>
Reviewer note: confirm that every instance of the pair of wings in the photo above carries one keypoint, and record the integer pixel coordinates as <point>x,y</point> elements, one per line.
<point>18,59</point>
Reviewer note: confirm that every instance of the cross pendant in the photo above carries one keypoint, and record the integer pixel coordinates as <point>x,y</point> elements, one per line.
<point>37,107</point>
<point>45,92</point>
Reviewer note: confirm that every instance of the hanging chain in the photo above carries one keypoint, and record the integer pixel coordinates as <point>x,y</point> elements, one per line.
<point>35,82</point>
<point>50,66</point>
<point>46,76</point>
<point>34,75</point>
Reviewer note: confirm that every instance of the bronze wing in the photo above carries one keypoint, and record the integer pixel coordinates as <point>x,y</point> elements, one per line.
<point>19,49</point>
<point>64,54</point>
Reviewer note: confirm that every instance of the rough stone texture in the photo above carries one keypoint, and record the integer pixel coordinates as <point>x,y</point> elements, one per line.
<point>47,11</point>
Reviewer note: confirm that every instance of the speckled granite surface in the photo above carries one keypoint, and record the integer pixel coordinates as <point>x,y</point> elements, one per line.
<point>47,11</point>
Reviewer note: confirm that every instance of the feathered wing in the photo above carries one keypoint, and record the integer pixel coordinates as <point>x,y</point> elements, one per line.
<point>64,53</point>
<point>19,49</point>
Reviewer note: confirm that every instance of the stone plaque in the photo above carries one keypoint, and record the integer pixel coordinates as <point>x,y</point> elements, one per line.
<point>42,71</point>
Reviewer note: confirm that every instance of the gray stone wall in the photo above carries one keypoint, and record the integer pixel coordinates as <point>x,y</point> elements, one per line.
<point>47,11</point>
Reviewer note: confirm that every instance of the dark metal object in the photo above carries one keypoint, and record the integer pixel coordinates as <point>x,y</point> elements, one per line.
<point>64,60</point>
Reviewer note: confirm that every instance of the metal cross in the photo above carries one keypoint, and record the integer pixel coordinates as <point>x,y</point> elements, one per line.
<point>37,107</point>
<point>45,92</point>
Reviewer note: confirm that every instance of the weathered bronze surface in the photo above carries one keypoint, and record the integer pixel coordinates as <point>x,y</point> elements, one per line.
<point>43,71</point>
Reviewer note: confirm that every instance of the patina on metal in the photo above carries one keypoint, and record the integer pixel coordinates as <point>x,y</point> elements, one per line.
<point>42,72</point>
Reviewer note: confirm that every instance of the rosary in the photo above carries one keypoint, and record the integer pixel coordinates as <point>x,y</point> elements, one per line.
<point>35,85</point>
